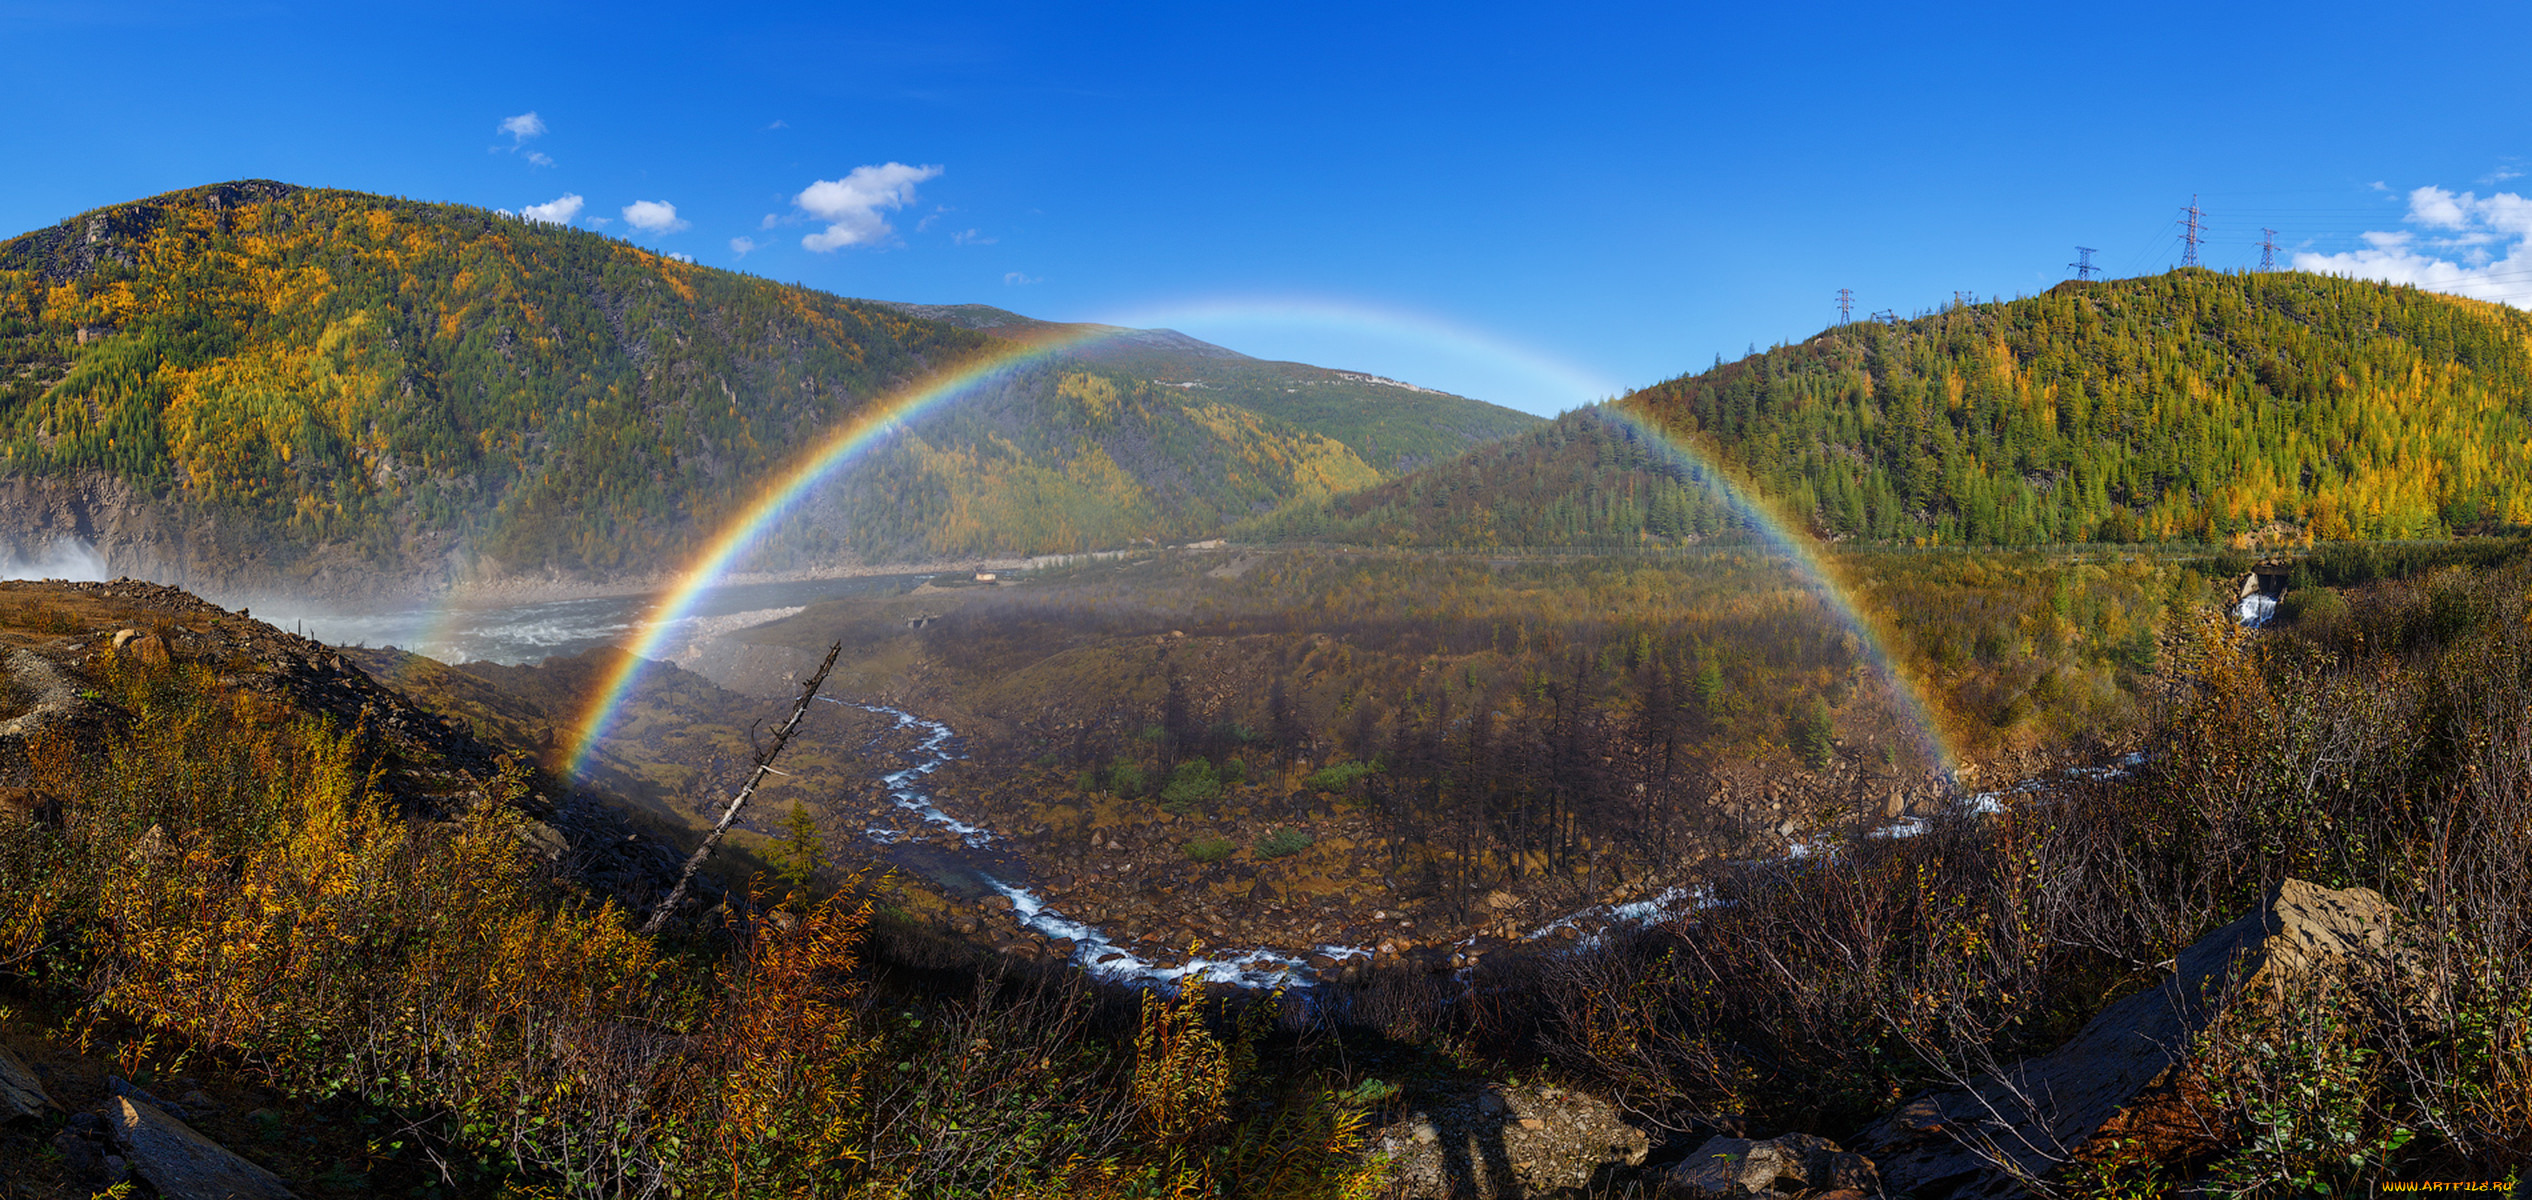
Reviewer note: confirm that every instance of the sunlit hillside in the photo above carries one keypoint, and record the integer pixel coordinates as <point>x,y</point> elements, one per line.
<point>254,385</point>
<point>2193,406</point>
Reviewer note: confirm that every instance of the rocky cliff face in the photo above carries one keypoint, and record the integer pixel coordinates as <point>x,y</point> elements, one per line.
<point>54,521</point>
<point>95,526</point>
<point>74,248</point>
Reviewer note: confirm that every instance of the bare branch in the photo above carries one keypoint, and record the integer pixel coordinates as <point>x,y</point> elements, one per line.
<point>765,757</point>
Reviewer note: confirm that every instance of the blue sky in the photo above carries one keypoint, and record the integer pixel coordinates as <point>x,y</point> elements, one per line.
<point>1531,204</point>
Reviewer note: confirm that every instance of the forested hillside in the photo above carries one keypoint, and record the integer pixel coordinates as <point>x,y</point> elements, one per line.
<point>273,386</point>
<point>2191,406</point>
<point>1056,459</point>
<point>1393,426</point>
<point>1581,480</point>
<point>329,376</point>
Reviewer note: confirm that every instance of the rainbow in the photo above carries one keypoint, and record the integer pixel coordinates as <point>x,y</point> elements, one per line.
<point>740,533</point>
<point>1783,532</point>
<point>858,433</point>
<point>1500,359</point>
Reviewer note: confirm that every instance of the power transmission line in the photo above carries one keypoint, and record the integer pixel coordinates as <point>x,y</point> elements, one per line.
<point>2082,266</point>
<point>2267,249</point>
<point>1845,306</point>
<point>2194,229</point>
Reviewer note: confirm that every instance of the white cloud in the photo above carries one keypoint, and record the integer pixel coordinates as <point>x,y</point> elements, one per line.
<point>969,237</point>
<point>2494,236</point>
<point>779,124</point>
<point>679,256</point>
<point>851,205</point>
<point>538,157</point>
<point>653,216</point>
<point>1016,279</point>
<point>523,126</point>
<point>561,210</point>
<point>770,221</point>
<point>741,245</point>
<point>601,222</point>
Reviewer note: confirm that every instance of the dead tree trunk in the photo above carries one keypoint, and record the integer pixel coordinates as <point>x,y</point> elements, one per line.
<point>764,766</point>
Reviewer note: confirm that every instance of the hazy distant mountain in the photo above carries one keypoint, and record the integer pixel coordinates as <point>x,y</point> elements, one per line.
<point>2187,406</point>
<point>1393,425</point>
<point>256,385</point>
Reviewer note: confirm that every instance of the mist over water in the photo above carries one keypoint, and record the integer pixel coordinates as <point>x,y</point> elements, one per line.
<point>64,558</point>
<point>512,634</point>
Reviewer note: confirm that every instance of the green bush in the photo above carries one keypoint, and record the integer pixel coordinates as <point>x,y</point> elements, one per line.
<point>1336,777</point>
<point>1126,778</point>
<point>1280,843</point>
<point>1193,783</point>
<point>1211,848</point>
<point>2316,606</point>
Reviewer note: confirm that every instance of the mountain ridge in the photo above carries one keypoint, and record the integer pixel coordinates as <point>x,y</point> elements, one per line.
<point>1394,425</point>
<point>255,385</point>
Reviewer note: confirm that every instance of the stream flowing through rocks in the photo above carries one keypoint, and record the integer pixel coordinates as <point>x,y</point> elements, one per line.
<point>973,859</point>
<point>985,869</point>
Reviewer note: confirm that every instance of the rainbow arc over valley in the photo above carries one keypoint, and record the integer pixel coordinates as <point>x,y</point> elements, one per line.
<point>858,433</point>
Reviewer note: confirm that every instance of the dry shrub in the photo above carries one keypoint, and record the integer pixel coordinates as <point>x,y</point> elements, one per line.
<point>2392,750</point>
<point>231,877</point>
<point>782,1058</point>
<point>1813,993</point>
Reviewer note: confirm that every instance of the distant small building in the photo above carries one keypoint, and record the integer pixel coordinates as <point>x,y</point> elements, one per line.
<point>985,577</point>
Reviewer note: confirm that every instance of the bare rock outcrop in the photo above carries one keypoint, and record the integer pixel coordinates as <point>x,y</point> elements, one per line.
<point>2025,1121</point>
<point>184,1165</point>
<point>21,1093</point>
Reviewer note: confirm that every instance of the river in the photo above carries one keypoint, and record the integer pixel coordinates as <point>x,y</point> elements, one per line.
<point>511,634</point>
<point>1097,954</point>
<point>524,633</point>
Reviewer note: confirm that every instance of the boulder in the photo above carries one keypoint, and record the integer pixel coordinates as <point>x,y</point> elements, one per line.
<point>1795,1163</point>
<point>1512,1142</point>
<point>81,1158</point>
<point>21,1093</point>
<point>2030,1118</point>
<point>544,840</point>
<point>184,1165</point>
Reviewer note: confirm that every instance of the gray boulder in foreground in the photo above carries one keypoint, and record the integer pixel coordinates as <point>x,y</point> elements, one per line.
<point>21,1093</point>
<point>2028,1118</point>
<point>184,1165</point>
<point>1796,1163</point>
